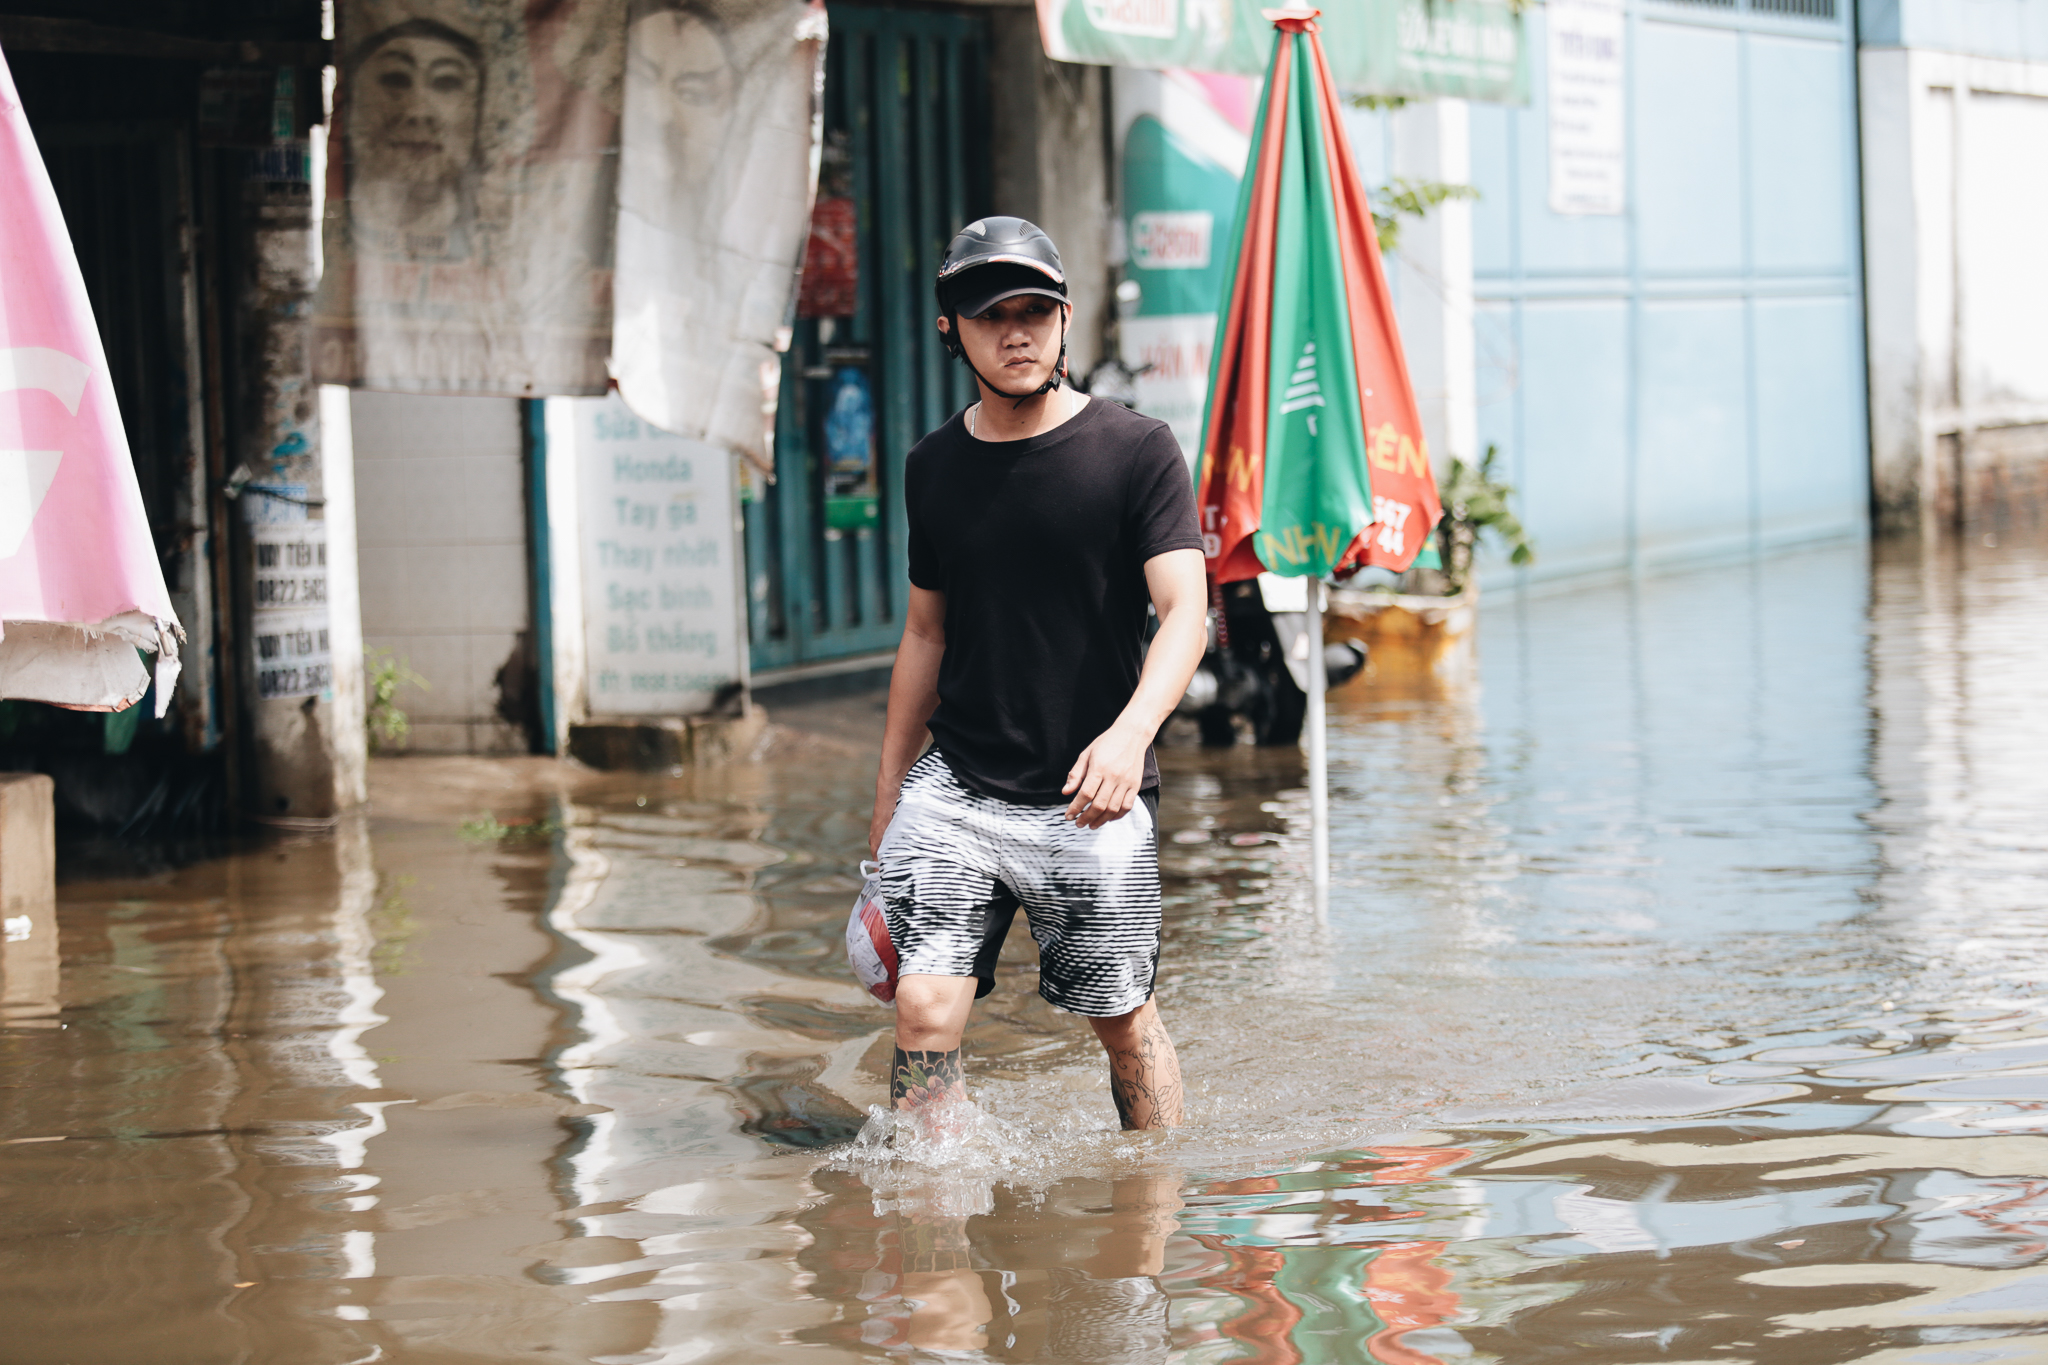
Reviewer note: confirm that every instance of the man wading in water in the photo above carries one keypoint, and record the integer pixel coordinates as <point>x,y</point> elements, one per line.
<point>1040,524</point>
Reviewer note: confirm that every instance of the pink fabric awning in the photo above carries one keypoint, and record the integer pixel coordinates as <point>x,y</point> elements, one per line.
<point>80,585</point>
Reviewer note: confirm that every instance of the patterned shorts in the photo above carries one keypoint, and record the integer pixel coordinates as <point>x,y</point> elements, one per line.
<point>956,865</point>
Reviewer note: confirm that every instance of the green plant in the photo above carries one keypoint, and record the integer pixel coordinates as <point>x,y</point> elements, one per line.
<point>388,725</point>
<point>392,925</point>
<point>488,829</point>
<point>1476,503</point>
<point>1402,197</point>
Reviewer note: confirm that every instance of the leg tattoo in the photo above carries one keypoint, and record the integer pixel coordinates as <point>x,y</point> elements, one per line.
<point>1145,1078</point>
<point>922,1078</point>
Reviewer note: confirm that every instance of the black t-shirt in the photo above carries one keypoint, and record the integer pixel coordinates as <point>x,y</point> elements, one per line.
<point>1040,547</point>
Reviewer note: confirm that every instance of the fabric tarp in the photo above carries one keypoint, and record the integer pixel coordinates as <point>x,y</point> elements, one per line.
<point>80,585</point>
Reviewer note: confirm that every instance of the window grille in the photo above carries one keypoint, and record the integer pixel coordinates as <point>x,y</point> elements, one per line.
<point>1798,9</point>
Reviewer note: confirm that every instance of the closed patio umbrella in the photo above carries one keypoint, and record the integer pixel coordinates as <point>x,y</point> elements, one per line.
<point>1313,460</point>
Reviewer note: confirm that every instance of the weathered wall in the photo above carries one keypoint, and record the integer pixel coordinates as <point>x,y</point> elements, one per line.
<point>441,530</point>
<point>1955,183</point>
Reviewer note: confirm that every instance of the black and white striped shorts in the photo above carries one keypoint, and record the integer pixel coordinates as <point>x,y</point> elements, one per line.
<point>956,865</point>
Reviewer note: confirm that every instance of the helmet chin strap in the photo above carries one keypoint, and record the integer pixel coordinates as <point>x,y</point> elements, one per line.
<point>1059,369</point>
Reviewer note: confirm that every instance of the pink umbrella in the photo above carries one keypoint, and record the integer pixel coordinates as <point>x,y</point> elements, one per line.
<point>80,586</point>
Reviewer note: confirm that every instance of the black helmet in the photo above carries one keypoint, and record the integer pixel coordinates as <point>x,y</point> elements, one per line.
<point>993,259</point>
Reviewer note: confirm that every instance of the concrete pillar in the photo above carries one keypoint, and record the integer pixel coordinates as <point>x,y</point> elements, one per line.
<point>1050,147</point>
<point>28,899</point>
<point>1431,140</point>
<point>297,533</point>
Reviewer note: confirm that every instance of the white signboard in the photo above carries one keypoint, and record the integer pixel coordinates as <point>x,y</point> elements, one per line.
<point>288,626</point>
<point>1173,354</point>
<point>1587,139</point>
<point>660,603</point>
<point>1176,239</point>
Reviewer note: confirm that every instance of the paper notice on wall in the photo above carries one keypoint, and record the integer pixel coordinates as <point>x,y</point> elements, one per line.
<point>469,197</point>
<point>1588,168</point>
<point>718,160</point>
<point>660,595</point>
<point>292,654</point>
<point>288,626</point>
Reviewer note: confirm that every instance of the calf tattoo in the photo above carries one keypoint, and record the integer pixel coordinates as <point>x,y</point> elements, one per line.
<point>921,1078</point>
<point>1145,1080</point>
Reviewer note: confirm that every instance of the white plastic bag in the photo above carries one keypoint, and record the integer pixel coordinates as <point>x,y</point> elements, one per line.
<point>868,946</point>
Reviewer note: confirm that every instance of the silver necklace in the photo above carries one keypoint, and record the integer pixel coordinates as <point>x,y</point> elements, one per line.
<point>974,416</point>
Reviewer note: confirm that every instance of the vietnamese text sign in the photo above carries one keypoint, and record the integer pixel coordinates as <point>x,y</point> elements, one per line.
<point>1467,49</point>
<point>660,596</point>
<point>288,626</point>
<point>1587,138</point>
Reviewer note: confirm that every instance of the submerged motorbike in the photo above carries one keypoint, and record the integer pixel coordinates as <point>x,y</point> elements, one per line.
<point>1256,667</point>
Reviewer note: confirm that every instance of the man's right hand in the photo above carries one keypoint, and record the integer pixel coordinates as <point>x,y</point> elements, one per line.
<point>885,811</point>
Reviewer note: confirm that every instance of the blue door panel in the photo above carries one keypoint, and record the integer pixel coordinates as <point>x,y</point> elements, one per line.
<point>1689,149</point>
<point>1799,139</point>
<point>1694,484</point>
<point>1812,475</point>
<point>1574,475</point>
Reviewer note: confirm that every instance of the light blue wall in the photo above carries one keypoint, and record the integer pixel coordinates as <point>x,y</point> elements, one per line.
<point>2015,29</point>
<point>1685,381</point>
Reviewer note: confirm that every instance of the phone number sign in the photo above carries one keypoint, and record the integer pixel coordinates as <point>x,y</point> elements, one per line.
<point>289,625</point>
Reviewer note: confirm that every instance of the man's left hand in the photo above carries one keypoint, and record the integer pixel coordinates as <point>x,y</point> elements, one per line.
<point>1105,779</point>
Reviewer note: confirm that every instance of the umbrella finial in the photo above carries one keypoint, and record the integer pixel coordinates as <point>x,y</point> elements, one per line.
<point>1293,18</point>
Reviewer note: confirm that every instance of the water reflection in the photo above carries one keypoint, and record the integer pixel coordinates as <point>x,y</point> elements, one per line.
<point>1679,1001</point>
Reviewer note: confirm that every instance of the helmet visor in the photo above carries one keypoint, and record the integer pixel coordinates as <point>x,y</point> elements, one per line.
<point>974,291</point>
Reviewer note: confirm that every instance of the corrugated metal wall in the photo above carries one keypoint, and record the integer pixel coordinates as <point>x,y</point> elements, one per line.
<point>1684,381</point>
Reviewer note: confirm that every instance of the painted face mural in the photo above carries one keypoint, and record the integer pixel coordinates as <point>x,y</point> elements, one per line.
<point>418,91</point>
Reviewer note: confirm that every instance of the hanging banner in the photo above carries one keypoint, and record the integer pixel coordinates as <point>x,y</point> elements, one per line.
<point>469,196</point>
<point>1466,49</point>
<point>718,162</point>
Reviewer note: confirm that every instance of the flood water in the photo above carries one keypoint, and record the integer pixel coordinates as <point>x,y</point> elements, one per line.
<point>1681,999</point>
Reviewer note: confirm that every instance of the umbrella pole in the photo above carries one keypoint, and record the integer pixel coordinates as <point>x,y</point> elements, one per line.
<point>1318,756</point>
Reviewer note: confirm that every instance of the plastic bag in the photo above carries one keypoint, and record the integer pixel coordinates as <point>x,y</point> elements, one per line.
<point>868,947</point>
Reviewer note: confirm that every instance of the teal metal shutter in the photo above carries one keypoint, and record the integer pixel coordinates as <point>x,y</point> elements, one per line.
<point>907,140</point>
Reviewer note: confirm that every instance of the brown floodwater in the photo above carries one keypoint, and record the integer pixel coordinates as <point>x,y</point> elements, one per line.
<point>1681,999</point>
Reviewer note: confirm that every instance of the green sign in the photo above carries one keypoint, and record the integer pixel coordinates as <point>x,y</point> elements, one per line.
<point>1466,49</point>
